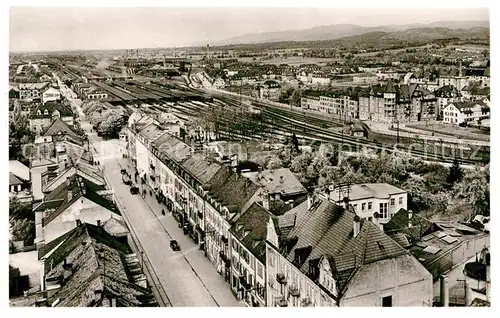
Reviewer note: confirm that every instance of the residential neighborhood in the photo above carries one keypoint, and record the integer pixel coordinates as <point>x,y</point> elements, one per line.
<point>314,171</point>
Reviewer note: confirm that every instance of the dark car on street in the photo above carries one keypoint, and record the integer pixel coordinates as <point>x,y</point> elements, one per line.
<point>126,179</point>
<point>134,190</point>
<point>174,245</point>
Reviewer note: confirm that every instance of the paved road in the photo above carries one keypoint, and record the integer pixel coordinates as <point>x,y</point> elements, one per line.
<point>188,277</point>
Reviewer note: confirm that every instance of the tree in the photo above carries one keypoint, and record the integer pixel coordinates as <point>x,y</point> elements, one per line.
<point>455,174</point>
<point>275,163</point>
<point>295,143</point>
<point>112,123</point>
<point>474,188</point>
<point>23,230</point>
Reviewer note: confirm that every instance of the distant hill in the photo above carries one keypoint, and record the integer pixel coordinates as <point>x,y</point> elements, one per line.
<point>438,30</point>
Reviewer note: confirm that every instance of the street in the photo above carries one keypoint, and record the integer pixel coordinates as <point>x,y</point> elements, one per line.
<point>187,276</point>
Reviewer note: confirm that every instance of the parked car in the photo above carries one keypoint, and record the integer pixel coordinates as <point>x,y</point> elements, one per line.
<point>174,245</point>
<point>134,190</point>
<point>126,179</point>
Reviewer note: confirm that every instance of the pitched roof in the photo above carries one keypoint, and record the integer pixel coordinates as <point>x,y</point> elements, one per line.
<point>462,105</point>
<point>231,189</point>
<point>19,169</point>
<point>389,88</point>
<point>79,187</point>
<point>13,180</point>
<point>327,231</point>
<point>400,223</point>
<point>115,227</point>
<point>50,107</point>
<point>281,181</point>
<point>251,229</point>
<point>100,268</point>
<point>32,86</point>
<point>59,127</point>
<point>200,168</point>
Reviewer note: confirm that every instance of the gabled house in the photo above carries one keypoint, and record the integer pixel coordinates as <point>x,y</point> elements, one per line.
<point>31,91</point>
<point>465,112</point>
<point>43,115</point>
<point>88,267</point>
<point>77,198</point>
<point>51,94</point>
<point>19,181</point>
<point>323,254</point>
<point>278,185</point>
<point>269,90</point>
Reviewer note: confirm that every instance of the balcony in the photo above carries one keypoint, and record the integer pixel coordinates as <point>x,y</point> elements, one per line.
<point>294,291</point>
<point>224,258</point>
<point>281,278</point>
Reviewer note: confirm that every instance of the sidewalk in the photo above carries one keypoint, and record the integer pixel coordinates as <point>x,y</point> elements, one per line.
<point>200,264</point>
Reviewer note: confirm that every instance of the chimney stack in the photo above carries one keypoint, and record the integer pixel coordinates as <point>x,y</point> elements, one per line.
<point>410,217</point>
<point>444,292</point>
<point>376,221</point>
<point>78,223</point>
<point>346,203</point>
<point>356,225</point>
<point>70,195</point>
<point>310,201</point>
<point>99,223</point>
<point>68,181</point>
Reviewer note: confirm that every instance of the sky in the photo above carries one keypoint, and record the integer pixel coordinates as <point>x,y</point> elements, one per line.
<point>74,28</point>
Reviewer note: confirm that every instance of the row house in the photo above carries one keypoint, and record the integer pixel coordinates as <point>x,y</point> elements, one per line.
<point>210,202</point>
<point>404,103</point>
<point>248,255</point>
<point>323,254</point>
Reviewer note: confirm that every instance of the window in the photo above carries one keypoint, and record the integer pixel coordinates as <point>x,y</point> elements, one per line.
<point>387,301</point>
<point>383,211</point>
<point>393,201</point>
<point>363,206</point>
<point>369,205</point>
<point>401,201</point>
<point>355,206</point>
<point>260,270</point>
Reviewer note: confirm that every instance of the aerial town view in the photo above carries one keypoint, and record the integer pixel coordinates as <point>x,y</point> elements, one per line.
<point>251,157</point>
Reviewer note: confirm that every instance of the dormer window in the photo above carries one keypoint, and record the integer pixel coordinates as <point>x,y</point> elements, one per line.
<point>46,112</point>
<point>38,112</point>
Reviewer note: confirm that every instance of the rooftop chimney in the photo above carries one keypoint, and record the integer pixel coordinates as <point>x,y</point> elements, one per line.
<point>376,221</point>
<point>78,223</point>
<point>310,201</point>
<point>356,225</point>
<point>99,223</point>
<point>68,181</point>
<point>346,203</point>
<point>410,217</point>
<point>70,195</point>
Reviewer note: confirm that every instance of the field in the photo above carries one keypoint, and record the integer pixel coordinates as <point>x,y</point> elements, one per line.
<point>390,51</point>
<point>292,60</point>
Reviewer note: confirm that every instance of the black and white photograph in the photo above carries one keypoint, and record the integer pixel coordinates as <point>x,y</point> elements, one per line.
<point>204,156</point>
